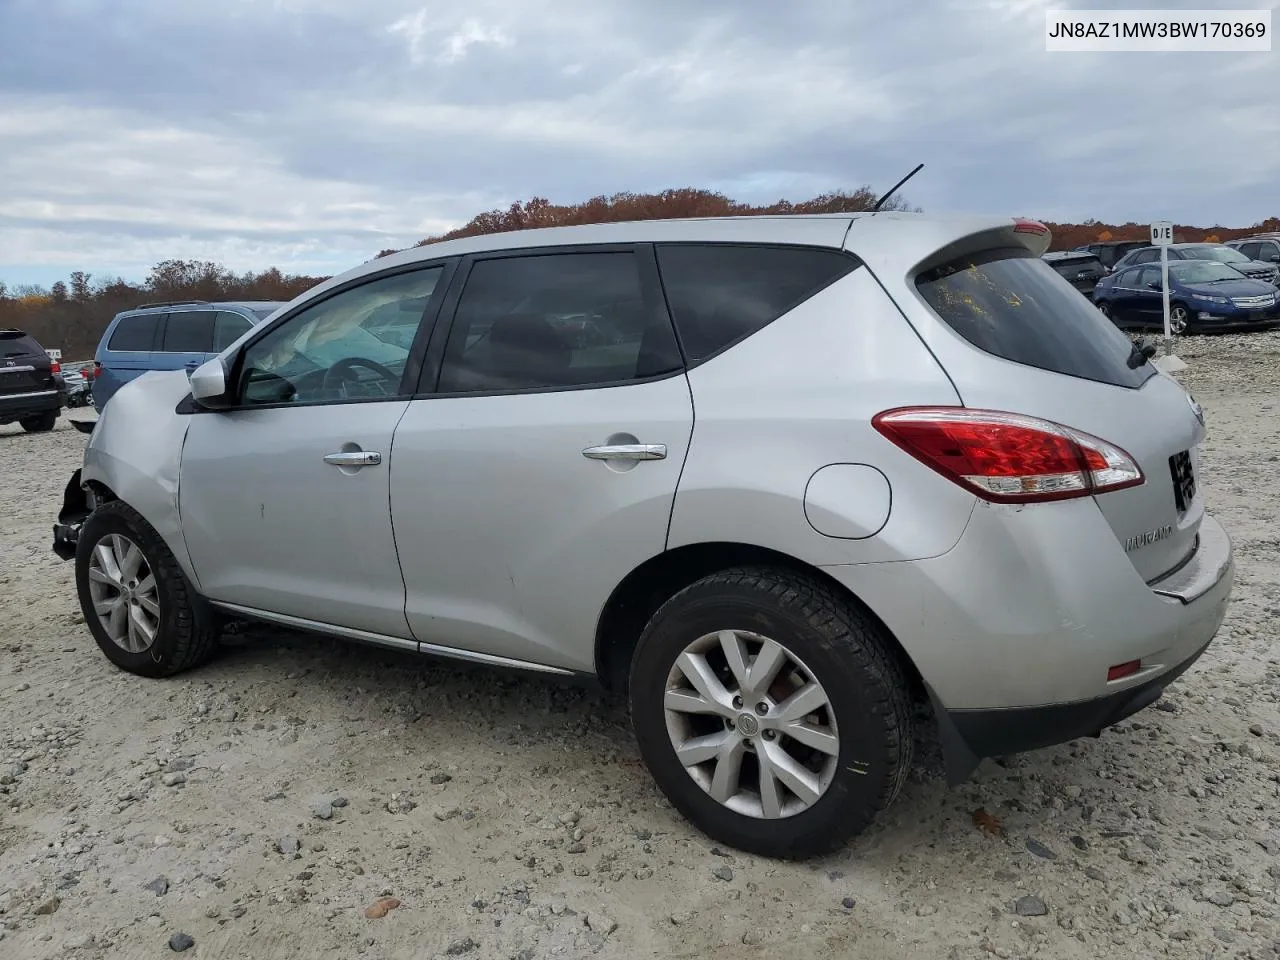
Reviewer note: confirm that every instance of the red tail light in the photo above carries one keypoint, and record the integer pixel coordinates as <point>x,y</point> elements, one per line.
<point>55,366</point>
<point>1023,225</point>
<point>1008,457</point>
<point>97,369</point>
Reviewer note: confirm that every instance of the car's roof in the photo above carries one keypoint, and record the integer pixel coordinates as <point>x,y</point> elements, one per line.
<point>819,229</point>
<point>181,305</point>
<point>1070,255</point>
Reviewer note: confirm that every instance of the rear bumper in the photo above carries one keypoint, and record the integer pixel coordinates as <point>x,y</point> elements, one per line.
<point>994,733</point>
<point>1015,629</point>
<point>15,406</point>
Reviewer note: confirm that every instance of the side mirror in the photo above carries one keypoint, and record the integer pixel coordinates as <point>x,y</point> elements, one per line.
<point>1154,285</point>
<point>1275,258</point>
<point>209,385</point>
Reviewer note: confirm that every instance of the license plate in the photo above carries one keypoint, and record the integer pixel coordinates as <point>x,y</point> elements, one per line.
<point>1184,480</point>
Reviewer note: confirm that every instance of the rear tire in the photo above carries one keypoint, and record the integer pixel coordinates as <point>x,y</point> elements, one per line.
<point>139,606</point>
<point>797,781</point>
<point>40,422</point>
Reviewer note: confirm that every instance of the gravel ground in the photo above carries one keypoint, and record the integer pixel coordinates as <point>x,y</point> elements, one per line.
<point>258,807</point>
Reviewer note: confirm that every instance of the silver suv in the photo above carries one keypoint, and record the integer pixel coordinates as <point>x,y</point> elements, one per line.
<point>778,479</point>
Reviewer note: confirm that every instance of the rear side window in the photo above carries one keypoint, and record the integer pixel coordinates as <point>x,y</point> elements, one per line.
<point>134,333</point>
<point>227,329</point>
<point>189,332</point>
<point>1012,304</point>
<point>721,293</point>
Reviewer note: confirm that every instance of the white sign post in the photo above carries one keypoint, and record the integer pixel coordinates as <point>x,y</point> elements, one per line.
<point>1162,236</point>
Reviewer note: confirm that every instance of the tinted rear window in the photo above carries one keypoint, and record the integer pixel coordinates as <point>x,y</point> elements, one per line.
<point>1070,266</point>
<point>721,293</point>
<point>14,343</point>
<point>1012,304</point>
<point>134,333</point>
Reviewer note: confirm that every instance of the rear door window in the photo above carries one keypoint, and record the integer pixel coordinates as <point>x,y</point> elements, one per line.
<point>134,334</point>
<point>189,332</point>
<point>722,293</point>
<point>1010,303</point>
<point>227,329</point>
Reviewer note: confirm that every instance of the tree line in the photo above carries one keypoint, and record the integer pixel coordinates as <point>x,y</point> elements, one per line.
<point>72,314</point>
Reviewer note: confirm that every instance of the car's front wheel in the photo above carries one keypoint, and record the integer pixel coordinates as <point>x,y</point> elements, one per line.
<point>139,605</point>
<point>40,422</point>
<point>771,712</point>
<point>1179,318</point>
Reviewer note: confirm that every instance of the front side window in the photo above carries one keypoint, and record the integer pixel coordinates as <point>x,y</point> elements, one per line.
<point>134,334</point>
<point>552,321</point>
<point>1010,303</point>
<point>328,352</point>
<point>189,332</point>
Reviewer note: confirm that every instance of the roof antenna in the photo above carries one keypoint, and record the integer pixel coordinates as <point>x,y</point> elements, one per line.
<point>896,186</point>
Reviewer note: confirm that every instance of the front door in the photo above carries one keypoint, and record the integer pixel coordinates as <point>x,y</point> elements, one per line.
<point>284,498</point>
<point>544,468</point>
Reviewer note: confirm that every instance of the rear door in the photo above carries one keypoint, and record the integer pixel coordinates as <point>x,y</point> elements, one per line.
<point>1035,347</point>
<point>542,467</point>
<point>228,327</point>
<point>1148,301</point>
<point>186,340</point>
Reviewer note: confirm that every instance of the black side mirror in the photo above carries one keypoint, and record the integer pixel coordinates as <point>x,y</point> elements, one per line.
<point>1275,258</point>
<point>1148,348</point>
<point>1155,285</point>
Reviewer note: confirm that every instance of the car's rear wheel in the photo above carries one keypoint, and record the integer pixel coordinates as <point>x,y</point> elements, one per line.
<point>140,608</point>
<point>40,422</point>
<point>770,711</point>
<point>1179,318</point>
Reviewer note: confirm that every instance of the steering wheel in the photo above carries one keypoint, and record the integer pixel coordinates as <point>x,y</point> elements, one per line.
<point>337,375</point>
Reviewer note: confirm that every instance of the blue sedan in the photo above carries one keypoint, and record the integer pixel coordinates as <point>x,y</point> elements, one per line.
<point>1204,295</point>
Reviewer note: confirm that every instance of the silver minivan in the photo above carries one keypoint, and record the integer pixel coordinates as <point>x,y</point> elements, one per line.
<point>778,480</point>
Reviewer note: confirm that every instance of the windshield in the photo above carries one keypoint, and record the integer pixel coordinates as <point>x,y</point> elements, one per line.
<point>1012,304</point>
<point>1202,271</point>
<point>1221,254</point>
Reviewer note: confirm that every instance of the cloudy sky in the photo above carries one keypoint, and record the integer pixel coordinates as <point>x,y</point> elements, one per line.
<point>310,134</point>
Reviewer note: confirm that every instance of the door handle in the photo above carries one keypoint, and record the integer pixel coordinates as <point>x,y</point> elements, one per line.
<point>354,458</point>
<point>627,451</point>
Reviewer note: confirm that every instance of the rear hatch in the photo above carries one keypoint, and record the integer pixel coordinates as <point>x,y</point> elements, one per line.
<point>24,365</point>
<point>1083,272</point>
<point>1014,336</point>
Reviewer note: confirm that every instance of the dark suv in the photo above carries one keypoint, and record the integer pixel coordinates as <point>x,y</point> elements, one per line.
<point>31,387</point>
<point>1079,268</point>
<point>1109,251</point>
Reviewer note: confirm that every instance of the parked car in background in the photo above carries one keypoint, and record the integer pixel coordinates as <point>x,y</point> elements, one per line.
<point>32,390</point>
<point>1204,295</point>
<point>1220,252</point>
<point>1262,248</point>
<point>1109,251</point>
<point>77,383</point>
<point>169,336</point>
<point>957,483</point>
<point>1079,268</point>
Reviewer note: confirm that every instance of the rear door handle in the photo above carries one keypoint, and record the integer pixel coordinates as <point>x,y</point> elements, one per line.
<point>354,458</point>
<point>627,451</point>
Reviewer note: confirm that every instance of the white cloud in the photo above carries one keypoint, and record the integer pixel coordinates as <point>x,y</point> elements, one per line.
<point>417,28</point>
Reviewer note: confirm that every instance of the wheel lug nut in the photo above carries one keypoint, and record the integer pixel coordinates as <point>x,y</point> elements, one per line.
<point>737,703</point>
<point>769,735</point>
<point>730,724</point>
<point>762,708</point>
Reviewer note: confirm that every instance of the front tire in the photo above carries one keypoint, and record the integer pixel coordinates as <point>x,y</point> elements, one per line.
<point>771,712</point>
<point>139,605</point>
<point>1179,319</point>
<point>40,422</point>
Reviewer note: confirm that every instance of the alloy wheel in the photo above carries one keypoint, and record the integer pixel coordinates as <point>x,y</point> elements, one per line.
<point>124,592</point>
<point>1178,319</point>
<point>751,724</point>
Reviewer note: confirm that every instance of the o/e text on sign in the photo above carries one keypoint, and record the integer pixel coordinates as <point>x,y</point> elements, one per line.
<point>1158,31</point>
<point>1161,233</point>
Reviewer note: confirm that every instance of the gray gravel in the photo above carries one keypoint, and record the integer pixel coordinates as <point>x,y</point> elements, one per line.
<point>512,818</point>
